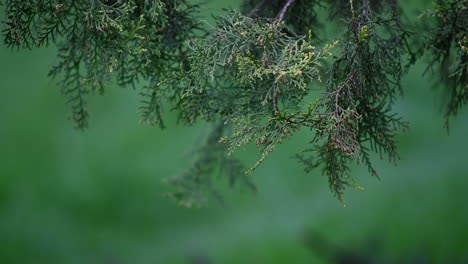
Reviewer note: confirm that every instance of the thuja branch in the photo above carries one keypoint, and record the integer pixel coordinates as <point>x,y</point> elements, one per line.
<point>447,47</point>
<point>279,18</point>
<point>249,79</point>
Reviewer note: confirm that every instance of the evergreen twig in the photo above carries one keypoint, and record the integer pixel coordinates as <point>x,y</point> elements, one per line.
<point>250,77</point>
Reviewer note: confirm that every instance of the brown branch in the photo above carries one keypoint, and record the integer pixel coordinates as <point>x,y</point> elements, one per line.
<point>280,16</point>
<point>258,7</point>
<point>338,90</point>
<point>394,4</point>
<point>274,98</point>
<point>351,4</point>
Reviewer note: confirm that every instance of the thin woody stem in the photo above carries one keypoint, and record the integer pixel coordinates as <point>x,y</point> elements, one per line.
<point>280,16</point>
<point>258,7</point>
<point>364,8</point>
<point>352,9</point>
<point>274,98</point>
<point>394,4</point>
<point>364,14</point>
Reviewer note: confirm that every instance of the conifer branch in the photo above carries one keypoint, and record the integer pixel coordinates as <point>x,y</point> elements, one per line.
<point>232,75</point>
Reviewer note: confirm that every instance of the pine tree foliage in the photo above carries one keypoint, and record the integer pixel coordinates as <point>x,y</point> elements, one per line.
<point>252,74</point>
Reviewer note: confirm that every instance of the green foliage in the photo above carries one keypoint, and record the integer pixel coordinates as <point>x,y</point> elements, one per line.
<point>448,49</point>
<point>103,41</point>
<point>248,73</point>
<point>264,72</point>
<point>211,158</point>
<point>357,113</point>
<point>250,76</point>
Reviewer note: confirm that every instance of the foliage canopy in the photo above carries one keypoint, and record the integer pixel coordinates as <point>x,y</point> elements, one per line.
<point>253,74</point>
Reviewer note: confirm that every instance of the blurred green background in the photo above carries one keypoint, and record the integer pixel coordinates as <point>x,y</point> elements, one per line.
<point>96,197</point>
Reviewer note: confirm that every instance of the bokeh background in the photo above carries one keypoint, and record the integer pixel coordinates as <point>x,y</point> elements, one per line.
<point>97,196</point>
